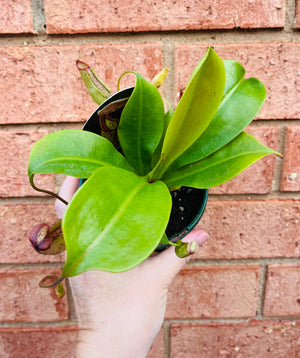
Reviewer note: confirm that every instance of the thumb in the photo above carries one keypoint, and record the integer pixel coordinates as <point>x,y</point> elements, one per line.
<point>167,264</point>
<point>67,190</point>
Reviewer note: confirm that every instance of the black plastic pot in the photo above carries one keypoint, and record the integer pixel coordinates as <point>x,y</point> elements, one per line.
<point>188,203</point>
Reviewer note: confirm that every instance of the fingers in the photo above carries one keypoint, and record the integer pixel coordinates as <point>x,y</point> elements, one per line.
<point>67,190</point>
<point>167,264</point>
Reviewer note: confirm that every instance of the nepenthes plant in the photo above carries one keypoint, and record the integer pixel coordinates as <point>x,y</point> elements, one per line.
<point>119,215</point>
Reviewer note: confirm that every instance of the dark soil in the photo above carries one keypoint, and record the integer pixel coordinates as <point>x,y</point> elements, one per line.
<point>186,205</point>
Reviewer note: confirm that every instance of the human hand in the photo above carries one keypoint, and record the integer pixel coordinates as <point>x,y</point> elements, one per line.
<point>120,314</point>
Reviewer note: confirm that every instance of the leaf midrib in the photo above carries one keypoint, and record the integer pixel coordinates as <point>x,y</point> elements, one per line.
<point>139,138</point>
<point>191,172</point>
<point>117,215</point>
<point>229,93</point>
<point>69,158</point>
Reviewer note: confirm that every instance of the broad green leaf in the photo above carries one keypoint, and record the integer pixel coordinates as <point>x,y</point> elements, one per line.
<point>221,166</point>
<point>120,219</point>
<point>196,108</point>
<point>242,100</point>
<point>234,73</point>
<point>141,125</point>
<point>73,152</point>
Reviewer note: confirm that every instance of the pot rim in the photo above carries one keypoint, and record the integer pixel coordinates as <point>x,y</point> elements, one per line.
<point>92,124</point>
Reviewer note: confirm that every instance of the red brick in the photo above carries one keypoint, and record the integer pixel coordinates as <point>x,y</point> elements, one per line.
<point>157,348</point>
<point>275,64</point>
<point>214,292</point>
<point>282,296</point>
<point>15,17</point>
<point>16,221</point>
<point>267,339</point>
<point>38,342</point>
<point>22,300</point>
<point>291,164</point>
<point>15,147</point>
<point>54,89</point>
<point>251,229</point>
<point>118,16</point>
<point>258,177</point>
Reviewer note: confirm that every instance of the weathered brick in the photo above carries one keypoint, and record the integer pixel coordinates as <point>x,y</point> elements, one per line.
<point>48,342</point>
<point>15,17</point>
<point>16,221</point>
<point>267,339</point>
<point>38,342</point>
<point>275,64</point>
<point>51,342</point>
<point>15,147</point>
<point>251,229</point>
<point>258,177</point>
<point>214,292</point>
<point>291,164</point>
<point>117,16</point>
<point>22,300</point>
<point>282,296</point>
<point>54,89</point>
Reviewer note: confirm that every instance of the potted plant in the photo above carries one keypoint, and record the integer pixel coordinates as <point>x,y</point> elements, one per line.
<point>119,215</point>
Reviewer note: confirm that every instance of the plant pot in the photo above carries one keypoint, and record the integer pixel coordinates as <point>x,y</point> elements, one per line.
<point>188,204</point>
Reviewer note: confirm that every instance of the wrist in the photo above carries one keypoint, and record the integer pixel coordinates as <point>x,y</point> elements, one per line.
<point>94,344</point>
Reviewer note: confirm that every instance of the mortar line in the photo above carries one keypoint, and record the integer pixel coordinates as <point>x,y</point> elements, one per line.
<point>278,166</point>
<point>27,200</point>
<point>167,322</point>
<point>52,127</point>
<point>39,18</point>
<point>167,339</point>
<point>32,266</point>
<point>71,303</point>
<point>38,324</point>
<point>242,262</point>
<point>290,16</point>
<point>192,263</point>
<point>206,36</point>
<point>168,61</point>
<point>204,321</point>
<point>274,195</point>
<point>262,281</point>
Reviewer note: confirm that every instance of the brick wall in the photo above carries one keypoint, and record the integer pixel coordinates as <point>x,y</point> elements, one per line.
<point>240,296</point>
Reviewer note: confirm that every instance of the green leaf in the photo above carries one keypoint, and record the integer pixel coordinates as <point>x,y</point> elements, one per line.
<point>165,241</point>
<point>73,152</point>
<point>234,73</point>
<point>117,221</point>
<point>221,166</point>
<point>157,152</point>
<point>196,108</point>
<point>242,100</point>
<point>141,125</point>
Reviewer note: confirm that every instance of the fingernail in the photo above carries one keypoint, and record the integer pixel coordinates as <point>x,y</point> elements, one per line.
<point>203,237</point>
